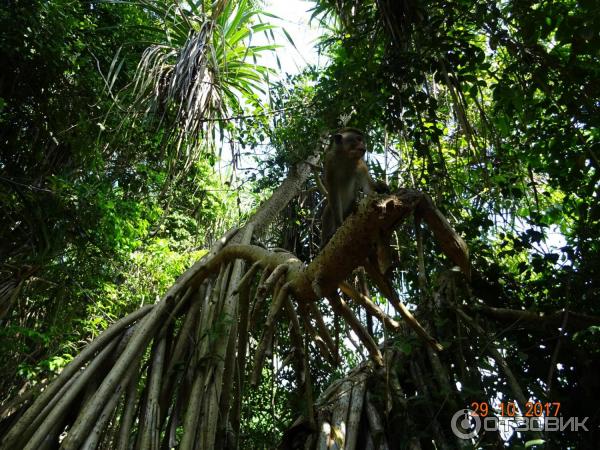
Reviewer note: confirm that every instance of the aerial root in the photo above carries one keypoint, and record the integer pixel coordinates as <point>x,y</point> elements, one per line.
<point>322,339</point>
<point>302,364</point>
<point>385,287</point>
<point>340,306</point>
<point>266,339</point>
<point>370,306</point>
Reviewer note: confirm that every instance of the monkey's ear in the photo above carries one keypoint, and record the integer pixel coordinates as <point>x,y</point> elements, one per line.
<point>337,138</point>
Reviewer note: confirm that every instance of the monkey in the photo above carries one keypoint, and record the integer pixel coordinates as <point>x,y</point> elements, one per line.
<point>345,172</point>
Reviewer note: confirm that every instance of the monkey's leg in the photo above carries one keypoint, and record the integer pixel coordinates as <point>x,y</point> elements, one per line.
<point>327,225</point>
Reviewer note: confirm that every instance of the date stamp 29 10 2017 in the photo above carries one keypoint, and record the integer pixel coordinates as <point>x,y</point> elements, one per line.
<point>507,418</point>
<point>510,409</point>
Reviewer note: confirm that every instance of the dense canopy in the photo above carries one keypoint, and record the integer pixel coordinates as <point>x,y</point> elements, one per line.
<point>162,279</point>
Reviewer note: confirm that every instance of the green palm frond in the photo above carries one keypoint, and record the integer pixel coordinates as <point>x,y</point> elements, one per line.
<point>202,67</point>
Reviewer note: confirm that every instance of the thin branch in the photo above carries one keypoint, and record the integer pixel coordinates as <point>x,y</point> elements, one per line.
<point>577,321</point>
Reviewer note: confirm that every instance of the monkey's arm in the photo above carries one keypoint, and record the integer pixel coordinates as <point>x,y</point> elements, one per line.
<point>368,184</point>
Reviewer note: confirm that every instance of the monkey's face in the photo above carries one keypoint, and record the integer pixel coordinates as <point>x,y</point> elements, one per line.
<point>353,144</point>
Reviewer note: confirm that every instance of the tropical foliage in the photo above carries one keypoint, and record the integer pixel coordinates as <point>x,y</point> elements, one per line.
<point>93,225</point>
<point>114,120</point>
<point>203,68</point>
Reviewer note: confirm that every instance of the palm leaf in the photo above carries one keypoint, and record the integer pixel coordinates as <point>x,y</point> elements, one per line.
<point>201,68</point>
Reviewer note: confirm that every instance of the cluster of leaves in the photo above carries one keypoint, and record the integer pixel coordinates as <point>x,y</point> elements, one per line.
<point>92,224</point>
<point>202,70</point>
<point>498,124</point>
<point>493,110</point>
